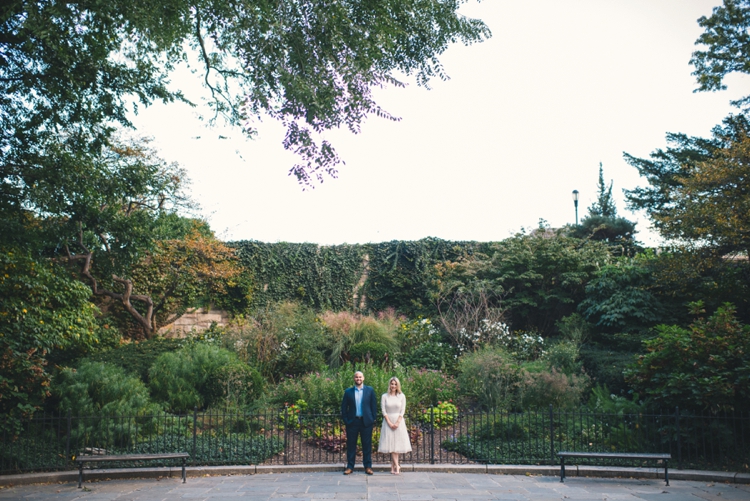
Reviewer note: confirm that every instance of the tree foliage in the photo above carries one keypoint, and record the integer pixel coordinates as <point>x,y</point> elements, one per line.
<point>706,366</point>
<point>76,66</point>
<point>698,189</point>
<point>603,224</point>
<point>605,204</point>
<point>727,41</point>
<point>619,298</point>
<point>538,278</point>
<point>42,310</point>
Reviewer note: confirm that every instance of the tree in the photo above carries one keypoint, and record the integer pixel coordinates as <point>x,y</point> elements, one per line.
<point>602,223</point>
<point>604,205</point>
<point>728,46</point>
<point>42,310</point>
<point>179,272</point>
<point>698,191</point>
<point>539,278</point>
<point>114,219</point>
<point>703,367</point>
<point>74,67</point>
<point>619,298</point>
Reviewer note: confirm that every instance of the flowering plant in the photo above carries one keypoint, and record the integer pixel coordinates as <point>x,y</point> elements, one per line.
<point>442,416</point>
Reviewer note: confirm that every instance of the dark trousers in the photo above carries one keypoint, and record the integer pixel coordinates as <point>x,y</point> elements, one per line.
<point>353,430</point>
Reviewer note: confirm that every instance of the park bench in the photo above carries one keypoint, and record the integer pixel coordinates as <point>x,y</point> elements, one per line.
<point>129,457</point>
<point>614,455</point>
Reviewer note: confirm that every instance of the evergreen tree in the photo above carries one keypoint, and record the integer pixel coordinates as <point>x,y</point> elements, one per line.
<point>604,205</point>
<point>603,224</point>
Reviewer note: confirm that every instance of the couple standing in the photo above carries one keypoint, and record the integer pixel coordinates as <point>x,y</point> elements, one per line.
<point>358,412</point>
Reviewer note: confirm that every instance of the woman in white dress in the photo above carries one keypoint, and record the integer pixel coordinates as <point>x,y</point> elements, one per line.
<point>394,438</point>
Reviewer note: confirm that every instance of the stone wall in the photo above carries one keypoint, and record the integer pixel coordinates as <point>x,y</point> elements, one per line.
<point>195,320</point>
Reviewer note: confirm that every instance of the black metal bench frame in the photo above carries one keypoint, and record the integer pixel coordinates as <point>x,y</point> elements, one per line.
<point>614,455</point>
<point>130,457</point>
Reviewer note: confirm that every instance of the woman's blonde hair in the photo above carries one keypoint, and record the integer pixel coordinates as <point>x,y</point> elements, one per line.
<point>398,385</point>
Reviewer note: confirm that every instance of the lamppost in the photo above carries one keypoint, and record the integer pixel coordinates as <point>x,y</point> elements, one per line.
<point>575,203</point>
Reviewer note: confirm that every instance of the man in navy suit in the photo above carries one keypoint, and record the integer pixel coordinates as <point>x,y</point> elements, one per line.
<point>358,413</point>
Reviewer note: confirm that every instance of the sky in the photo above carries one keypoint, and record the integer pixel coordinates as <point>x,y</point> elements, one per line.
<point>525,118</point>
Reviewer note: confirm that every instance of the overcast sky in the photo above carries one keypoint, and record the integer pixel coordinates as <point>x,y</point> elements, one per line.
<point>525,118</point>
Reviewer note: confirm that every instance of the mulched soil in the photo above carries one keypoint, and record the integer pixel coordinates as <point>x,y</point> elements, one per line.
<point>301,450</point>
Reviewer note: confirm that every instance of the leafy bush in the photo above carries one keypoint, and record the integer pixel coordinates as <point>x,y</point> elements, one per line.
<point>42,310</point>
<point>369,352</point>
<point>283,339</point>
<point>362,330</point>
<point>425,387</point>
<point>431,355</point>
<point>706,366</point>
<point>606,366</point>
<point>97,389</point>
<point>213,449</point>
<point>137,357</point>
<point>554,388</point>
<point>442,416</point>
<point>602,400</point>
<point>238,383</point>
<point>415,333</point>
<point>563,357</point>
<point>196,376</point>
<point>491,377</point>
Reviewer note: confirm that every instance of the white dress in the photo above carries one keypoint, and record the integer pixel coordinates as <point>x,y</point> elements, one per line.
<point>394,440</point>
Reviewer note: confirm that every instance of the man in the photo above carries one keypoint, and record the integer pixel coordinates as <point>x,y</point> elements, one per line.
<point>358,413</point>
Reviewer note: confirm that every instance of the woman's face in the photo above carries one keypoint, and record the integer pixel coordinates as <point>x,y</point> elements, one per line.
<point>394,386</point>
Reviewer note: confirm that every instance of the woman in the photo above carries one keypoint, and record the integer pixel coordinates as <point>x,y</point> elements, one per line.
<point>394,438</point>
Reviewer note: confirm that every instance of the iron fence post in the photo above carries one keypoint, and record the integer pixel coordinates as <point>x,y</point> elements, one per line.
<point>679,439</point>
<point>286,433</point>
<point>432,436</point>
<point>195,431</point>
<point>551,435</point>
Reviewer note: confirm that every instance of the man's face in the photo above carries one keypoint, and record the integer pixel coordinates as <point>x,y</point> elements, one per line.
<point>359,378</point>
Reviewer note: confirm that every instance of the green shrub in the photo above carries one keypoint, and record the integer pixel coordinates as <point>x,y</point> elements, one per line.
<point>198,375</point>
<point>563,357</point>
<point>434,355</point>
<point>490,377</point>
<point>415,333</point>
<point>98,389</point>
<point>238,383</point>
<point>558,389</point>
<point>213,449</point>
<point>602,400</point>
<point>425,387</point>
<point>370,352</point>
<point>349,330</point>
<point>137,357</point>
<point>282,340</point>
<point>606,366</point>
<point>444,415</point>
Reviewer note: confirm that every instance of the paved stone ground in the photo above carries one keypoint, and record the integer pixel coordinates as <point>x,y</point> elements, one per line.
<point>411,486</point>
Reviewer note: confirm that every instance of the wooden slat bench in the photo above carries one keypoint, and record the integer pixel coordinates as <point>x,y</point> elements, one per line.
<point>614,455</point>
<point>129,457</point>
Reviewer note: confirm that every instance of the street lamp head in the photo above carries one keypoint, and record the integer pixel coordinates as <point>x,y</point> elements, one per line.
<point>575,195</point>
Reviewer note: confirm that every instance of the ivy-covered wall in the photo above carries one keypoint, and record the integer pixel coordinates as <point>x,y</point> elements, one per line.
<point>401,272</point>
<point>322,277</point>
<point>394,274</point>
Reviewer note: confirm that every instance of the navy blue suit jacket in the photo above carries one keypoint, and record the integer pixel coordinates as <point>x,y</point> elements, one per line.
<point>369,406</point>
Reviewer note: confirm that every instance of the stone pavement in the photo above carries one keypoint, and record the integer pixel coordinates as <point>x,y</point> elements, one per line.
<point>409,486</point>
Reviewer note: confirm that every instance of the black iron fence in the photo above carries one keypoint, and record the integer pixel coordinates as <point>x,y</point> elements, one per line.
<point>699,441</point>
